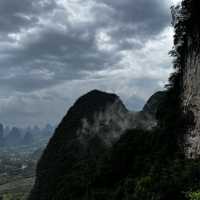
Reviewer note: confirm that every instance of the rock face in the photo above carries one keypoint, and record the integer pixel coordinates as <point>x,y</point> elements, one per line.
<point>152,105</point>
<point>191,97</point>
<point>92,124</point>
<point>107,123</point>
<point>190,67</point>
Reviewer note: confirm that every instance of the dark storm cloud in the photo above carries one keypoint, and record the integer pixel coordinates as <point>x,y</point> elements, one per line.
<point>65,55</point>
<point>18,14</point>
<point>54,49</point>
<point>69,52</point>
<point>44,43</point>
<point>141,18</point>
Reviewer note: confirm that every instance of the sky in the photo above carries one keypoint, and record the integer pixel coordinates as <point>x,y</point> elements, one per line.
<point>53,51</point>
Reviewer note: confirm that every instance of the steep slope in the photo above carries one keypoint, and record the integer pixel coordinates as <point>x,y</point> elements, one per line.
<point>187,60</point>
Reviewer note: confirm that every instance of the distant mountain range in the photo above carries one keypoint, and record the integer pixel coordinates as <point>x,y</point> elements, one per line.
<point>15,137</point>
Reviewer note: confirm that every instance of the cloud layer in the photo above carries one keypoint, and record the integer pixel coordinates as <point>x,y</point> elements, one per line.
<point>53,51</point>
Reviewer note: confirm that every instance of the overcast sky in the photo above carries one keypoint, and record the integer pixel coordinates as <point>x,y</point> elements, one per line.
<point>52,51</point>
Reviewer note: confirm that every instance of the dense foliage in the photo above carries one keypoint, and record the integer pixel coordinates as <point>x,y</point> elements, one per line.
<point>140,166</point>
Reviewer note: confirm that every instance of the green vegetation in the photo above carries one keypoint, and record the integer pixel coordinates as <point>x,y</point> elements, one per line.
<point>17,196</point>
<point>194,195</point>
<point>142,165</point>
<point>17,171</point>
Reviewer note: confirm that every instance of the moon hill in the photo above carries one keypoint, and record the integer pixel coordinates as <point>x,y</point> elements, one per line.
<point>92,126</point>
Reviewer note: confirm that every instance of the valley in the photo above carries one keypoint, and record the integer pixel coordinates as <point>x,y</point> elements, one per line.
<point>18,164</point>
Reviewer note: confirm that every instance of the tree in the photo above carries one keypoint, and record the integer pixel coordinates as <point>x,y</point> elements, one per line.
<point>194,195</point>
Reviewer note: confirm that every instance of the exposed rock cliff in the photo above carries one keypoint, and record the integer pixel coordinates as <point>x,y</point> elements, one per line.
<point>187,50</point>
